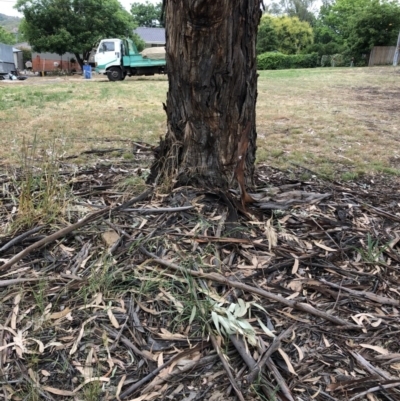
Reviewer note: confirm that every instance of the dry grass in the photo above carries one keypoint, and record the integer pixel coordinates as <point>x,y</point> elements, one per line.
<point>334,121</point>
<point>342,121</point>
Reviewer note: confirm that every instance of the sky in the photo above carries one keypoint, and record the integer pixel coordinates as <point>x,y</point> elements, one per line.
<point>6,6</point>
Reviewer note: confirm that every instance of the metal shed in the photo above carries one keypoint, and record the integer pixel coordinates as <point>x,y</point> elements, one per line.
<point>6,59</point>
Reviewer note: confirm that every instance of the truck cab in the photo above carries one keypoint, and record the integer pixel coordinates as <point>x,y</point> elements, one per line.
<point>118,58</point>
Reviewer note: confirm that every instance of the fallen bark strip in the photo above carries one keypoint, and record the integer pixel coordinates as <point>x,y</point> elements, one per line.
<point>265,294</point>
<point>155,372</point>
<point>64,231</point>
<point>20,238</point>
<point>364,294</point>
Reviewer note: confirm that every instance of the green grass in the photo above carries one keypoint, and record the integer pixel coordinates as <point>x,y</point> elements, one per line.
<point>331,120</point>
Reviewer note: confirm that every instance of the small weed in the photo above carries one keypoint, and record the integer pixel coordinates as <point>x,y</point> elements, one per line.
<point>128,156</point>
<point>39,294</point>
<point>135,184</point>
<point>92,391</point>
<point>349,176</point>
<point>42,197</point>
<point>372,252</point>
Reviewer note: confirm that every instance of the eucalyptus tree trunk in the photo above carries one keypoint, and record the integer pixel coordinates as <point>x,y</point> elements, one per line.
<point>212,74</point>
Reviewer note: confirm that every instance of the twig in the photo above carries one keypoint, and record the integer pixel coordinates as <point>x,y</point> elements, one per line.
<point>225,364</point>
<point>371,368</point>
<point>155,372</point>
<point>160,210</point>
<point>6,283</point>
<point>248,360</point>
<point>20,238</point>
<point>373,389</point>
<point>382,213</point>
<point>338,295</point>
<point>64,231</point>
<point>280,380</point>
<point>128,343</point>
<point>264,359</point>
<point>58,234</point>
<point>183,369</point>
<point>365,294</point>
<point>266,294</point>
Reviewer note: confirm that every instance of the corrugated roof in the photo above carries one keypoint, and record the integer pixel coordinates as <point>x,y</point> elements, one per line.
<point>151,35</point>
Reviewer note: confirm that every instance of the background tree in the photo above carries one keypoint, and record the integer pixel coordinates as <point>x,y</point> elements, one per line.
<point>6,37</point>
<point>267,38</point>
<point>377,24</point>
<point>60,26</point>
<point>146,14</point>
<point>212,74</point>
<point>304,10</point>
<point>353,27</point>
<point>293,35</point>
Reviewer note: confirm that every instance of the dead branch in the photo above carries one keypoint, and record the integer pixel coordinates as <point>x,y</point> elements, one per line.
<point>20,238</point>
<point>225,364</point>
<point>64,231</point>
<point>266,294</point>
<point>373,389</point>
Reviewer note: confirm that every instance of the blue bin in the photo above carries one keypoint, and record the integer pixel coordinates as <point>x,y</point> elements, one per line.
<point>87,72</point>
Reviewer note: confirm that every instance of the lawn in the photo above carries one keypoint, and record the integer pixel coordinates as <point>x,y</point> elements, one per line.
<point>339,122</point>
<point>185,294</point>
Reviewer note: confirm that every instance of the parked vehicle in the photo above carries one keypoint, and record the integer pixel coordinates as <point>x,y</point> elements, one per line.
<point>118,58</point>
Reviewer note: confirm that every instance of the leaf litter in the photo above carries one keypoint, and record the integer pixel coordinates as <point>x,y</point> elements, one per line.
<point>188,296</point>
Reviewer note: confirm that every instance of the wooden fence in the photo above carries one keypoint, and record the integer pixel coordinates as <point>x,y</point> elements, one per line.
<point>381,55</point>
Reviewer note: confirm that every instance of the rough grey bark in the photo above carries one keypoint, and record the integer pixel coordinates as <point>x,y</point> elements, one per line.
<point>212,74</point>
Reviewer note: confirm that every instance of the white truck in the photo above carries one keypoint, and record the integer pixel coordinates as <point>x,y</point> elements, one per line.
<point>118,58</point>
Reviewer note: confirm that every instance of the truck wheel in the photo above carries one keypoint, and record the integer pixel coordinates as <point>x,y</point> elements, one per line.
<point>114,74</point>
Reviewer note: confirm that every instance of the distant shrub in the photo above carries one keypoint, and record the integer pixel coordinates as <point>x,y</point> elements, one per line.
<point>326,61</point>
<point>280,61</point>
<point>337,60</point>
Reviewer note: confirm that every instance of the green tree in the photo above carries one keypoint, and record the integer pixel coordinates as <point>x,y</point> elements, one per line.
<point>60,26</point>
<point>356,26</point>
<point>376,25</point>
<point>146,14</point>
<point>293,35</point>
<point>267,38</point>
<point>6,37</point>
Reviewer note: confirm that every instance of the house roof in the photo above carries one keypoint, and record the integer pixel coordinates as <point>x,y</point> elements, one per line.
<point>151,35</point>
